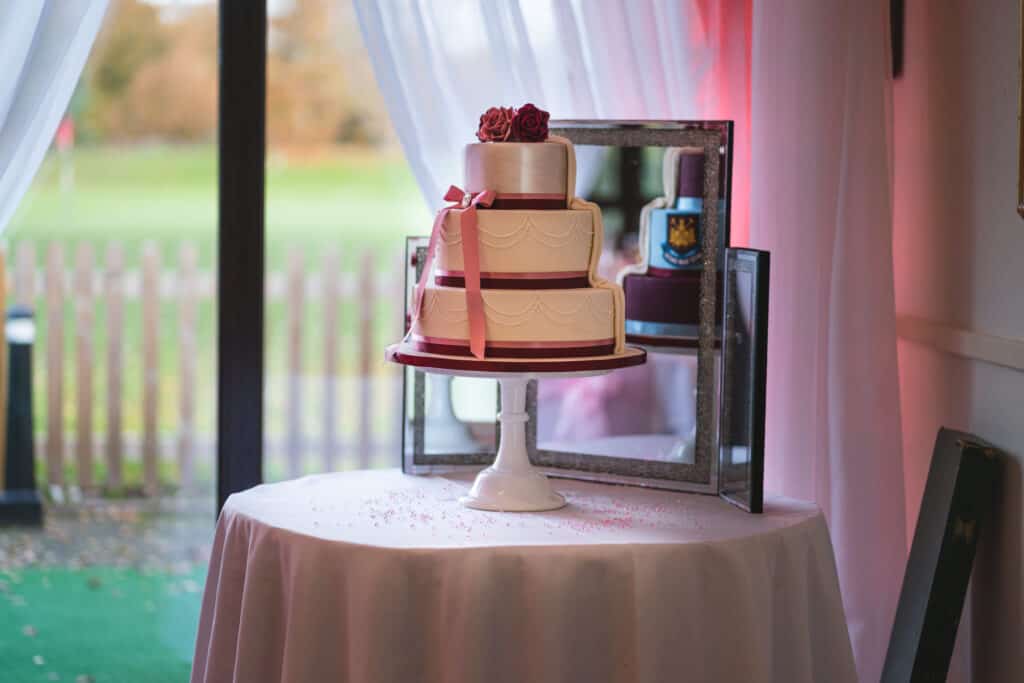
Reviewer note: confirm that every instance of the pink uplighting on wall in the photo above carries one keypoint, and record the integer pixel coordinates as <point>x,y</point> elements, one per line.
<point>724,93</point>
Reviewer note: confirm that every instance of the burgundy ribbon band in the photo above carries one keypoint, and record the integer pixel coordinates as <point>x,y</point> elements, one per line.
<point>459,347</point>
<point>681,273</point>
<point>557,280</point>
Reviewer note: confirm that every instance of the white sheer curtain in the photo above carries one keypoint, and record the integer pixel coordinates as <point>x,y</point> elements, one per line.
<point>441,64</point>
<point>821,202</point>
<point>43,47</point>
<point>817,104</point>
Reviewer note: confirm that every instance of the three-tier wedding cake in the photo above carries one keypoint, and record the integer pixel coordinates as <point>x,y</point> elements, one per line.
<point>509,289</point>
<point>511,271</point>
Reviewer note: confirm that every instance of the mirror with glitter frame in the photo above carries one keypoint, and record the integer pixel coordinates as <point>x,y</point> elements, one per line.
<point>642,424</point>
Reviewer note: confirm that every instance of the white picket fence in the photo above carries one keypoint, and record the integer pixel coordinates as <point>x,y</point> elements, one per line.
<point>89,285</point>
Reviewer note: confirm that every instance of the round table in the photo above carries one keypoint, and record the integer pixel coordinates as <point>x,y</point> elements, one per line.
<point>378,576</point>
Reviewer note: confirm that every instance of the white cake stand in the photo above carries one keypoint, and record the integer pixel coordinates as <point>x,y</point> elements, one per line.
<point>512,484</point>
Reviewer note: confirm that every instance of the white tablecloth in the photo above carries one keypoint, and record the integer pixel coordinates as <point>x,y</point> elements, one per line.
<point>378,577</point>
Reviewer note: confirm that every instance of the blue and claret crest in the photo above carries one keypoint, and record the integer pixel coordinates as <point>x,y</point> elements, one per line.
<point>682,241</point>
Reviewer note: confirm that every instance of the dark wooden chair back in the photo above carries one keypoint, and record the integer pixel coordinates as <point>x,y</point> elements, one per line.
<point>956,505</point>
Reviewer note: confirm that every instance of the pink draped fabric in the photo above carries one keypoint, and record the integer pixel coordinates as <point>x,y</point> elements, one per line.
<point>724,93</point>
<point>821,202</point>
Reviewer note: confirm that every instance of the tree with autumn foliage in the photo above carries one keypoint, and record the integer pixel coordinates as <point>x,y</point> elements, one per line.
<point>153,76</point>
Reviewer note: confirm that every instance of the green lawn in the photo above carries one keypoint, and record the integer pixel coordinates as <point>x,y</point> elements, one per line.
<point>349,198</point>
<point>98,624</point>
<point>353,200</point>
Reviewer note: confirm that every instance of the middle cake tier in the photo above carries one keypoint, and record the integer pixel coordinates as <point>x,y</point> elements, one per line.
<point>522,323</point>
<point>522,249</point>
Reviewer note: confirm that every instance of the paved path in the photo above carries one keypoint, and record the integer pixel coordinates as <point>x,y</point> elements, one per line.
<point>170,534</point>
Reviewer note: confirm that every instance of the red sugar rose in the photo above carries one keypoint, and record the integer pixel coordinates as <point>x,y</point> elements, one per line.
<point>495,124</point>
<point>529,124</point>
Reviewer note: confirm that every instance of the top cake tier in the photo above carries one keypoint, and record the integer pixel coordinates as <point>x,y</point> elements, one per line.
<point>524,175</point>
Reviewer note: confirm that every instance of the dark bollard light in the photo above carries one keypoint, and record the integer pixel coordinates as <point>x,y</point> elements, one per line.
<point>20,502</point>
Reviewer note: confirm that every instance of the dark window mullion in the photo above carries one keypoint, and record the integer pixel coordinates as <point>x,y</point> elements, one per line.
<point>240,243</point>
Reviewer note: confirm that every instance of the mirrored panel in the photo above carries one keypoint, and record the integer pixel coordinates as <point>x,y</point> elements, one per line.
<point>744,356</point>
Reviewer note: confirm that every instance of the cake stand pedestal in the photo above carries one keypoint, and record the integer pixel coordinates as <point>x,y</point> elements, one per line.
<point>512,484</point>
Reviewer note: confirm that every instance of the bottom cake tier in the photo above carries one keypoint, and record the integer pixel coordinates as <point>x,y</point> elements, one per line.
<point>540,323</point>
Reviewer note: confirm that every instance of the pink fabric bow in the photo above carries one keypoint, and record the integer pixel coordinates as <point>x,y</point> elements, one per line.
<point>465,205</point>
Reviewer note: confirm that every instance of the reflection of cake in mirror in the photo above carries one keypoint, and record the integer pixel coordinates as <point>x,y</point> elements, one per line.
<point>515,258</point>
<point>662,292</point>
